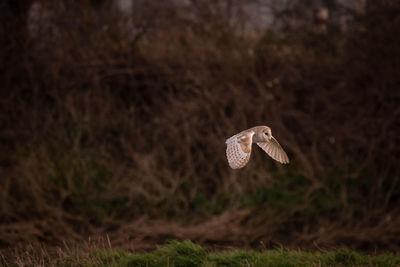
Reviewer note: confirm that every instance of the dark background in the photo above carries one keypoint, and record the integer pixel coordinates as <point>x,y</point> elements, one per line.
<point>116,125</point>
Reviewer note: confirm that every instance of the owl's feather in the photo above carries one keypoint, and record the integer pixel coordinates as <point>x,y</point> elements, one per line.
<point>238,149</point>
<point>274,150</point>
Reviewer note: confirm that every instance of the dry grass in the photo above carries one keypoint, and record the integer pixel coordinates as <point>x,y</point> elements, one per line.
<point>186,253</point>
<point>109,131</point>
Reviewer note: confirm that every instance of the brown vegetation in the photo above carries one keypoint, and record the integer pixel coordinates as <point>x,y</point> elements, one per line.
<point>121,130</point>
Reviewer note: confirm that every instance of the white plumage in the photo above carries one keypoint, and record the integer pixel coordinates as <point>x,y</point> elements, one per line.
<point>238,149</point>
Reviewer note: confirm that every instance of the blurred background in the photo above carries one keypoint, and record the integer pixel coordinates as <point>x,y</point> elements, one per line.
<point>114,116</point>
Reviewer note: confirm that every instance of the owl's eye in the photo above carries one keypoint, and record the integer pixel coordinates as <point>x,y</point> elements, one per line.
<point>265,133</point>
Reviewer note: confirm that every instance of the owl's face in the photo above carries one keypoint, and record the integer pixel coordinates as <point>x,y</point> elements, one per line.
<point>265,135</point>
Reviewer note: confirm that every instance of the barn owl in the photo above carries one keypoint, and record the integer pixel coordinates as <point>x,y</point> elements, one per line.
<point>238,148</point>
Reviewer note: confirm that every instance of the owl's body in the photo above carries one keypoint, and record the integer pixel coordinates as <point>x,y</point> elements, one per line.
<point>238,148</point>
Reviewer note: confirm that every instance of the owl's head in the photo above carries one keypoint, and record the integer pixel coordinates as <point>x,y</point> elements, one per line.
<point>264,134</point>
<point>267,133</point>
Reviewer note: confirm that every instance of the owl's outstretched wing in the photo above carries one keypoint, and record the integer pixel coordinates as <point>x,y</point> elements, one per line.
<point>238,149</point>
<point>274,150</point>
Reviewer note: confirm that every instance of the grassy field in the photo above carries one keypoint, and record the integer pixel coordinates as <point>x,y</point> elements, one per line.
<point>186,253</point>
<point>113,125</point>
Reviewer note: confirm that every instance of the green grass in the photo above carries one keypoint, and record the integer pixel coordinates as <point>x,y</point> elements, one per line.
<point>186,253</point>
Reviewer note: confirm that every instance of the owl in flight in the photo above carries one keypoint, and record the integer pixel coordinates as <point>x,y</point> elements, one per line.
<point>238,148</point>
